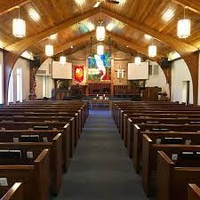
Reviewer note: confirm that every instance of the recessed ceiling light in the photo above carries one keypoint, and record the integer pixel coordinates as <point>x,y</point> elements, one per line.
<point>34,14</point>
<point>147,37</point>
<point>168,14</point>
<point>53,36</point>
<point>90,26</point>
<point>80,2</point>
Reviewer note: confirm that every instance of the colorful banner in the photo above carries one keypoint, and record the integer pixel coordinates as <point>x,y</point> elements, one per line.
<point>78,73</point>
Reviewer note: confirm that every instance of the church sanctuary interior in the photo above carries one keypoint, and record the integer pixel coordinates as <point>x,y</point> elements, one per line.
<point>100,99</point>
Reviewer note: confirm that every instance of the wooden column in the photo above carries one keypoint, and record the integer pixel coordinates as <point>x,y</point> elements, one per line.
<point>192,61</point>
<point>9,61</point>
<point>32,95</point>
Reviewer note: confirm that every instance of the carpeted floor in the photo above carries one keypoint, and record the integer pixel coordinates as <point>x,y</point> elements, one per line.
<point>100,168</point>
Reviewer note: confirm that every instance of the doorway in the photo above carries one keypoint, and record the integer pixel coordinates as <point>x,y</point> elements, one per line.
<point>186,91</point>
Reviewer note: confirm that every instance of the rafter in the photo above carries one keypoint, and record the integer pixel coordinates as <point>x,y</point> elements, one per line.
<point>7,6</point>
<point>22,45</point>
<point>78,40</point>
<point>193,5</point>
<point>74,42</point>
<point>131,45</point>
<point>177,45</point>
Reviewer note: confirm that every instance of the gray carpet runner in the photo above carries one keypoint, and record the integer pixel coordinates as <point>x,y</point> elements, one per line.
<point>100,168</point>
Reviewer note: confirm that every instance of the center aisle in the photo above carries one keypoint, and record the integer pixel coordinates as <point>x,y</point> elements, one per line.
<point>100,168</point>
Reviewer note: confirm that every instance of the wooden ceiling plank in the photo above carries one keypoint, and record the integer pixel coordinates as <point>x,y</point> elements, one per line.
<point>7,6</point>
<point>177,45</point>
<point>22,45</point>
<point>192,5</point>
<point>70,43</point>
<point>131,45</point>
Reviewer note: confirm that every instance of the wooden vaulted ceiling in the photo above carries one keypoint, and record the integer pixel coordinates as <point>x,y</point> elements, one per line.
<point>74,21</point>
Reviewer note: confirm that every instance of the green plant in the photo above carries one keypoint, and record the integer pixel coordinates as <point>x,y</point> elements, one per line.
<point>63,84</point>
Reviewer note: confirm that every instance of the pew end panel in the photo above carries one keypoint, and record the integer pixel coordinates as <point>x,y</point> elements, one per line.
<point>177,180</point>
<point>66,146</point>
<point>164,168</point>
<point>129,132</point>
<point>72,136</point>
<point>16,192</point>
<point>35,177</point>
<point>42,174</point>
<point>136,154</point>
<point>193,191</point>
<point>146,163</point>
<point>57,163</point>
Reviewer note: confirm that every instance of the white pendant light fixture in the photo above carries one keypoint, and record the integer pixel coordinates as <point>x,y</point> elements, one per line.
<point>138,60</point>
<point>19,27</point>
<point>49,50</point>
<point>100,33</point>
<point>152,50</point>
<point>62,59</point>
<point>100,49</point>
<point>183,27</point>
<point>100,29</point>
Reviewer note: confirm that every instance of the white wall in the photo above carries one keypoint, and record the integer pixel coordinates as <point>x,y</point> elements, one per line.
<point>156,80</point>
<point>44,83</point>
<point>1,78</point>
<point>180,73</point>
<point>24,64</point>
<point>198,100</point>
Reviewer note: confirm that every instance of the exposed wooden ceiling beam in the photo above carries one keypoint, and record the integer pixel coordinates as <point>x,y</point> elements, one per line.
<point>114,37</point>
<point>74,42</point>
<point>131,45</point>
<point>193,5</point>
<point>176,44</point>
<point>7,6</point>
<point>22,45</point>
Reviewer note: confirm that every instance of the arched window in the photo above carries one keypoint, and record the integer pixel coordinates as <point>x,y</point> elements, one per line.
<point>19,84</point>
<point>10,89</point>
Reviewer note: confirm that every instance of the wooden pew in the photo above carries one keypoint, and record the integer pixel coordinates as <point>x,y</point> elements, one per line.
<point>158,108</point>
<point>167,142</point>
<point>35,176</point>
<point>12,135</point>
<point>173,176</point>
<point>47,117</point>
<point>184,117</point>
<point>15,192</point>
<point>47,125</point>
<point>140,129</point>
<point>193,192</point>
<point>79,110</point>
<point>55,157</point>
<point>155,120</point>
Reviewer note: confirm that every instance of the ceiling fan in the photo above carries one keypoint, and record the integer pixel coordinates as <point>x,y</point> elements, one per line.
<point>108,1</point>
